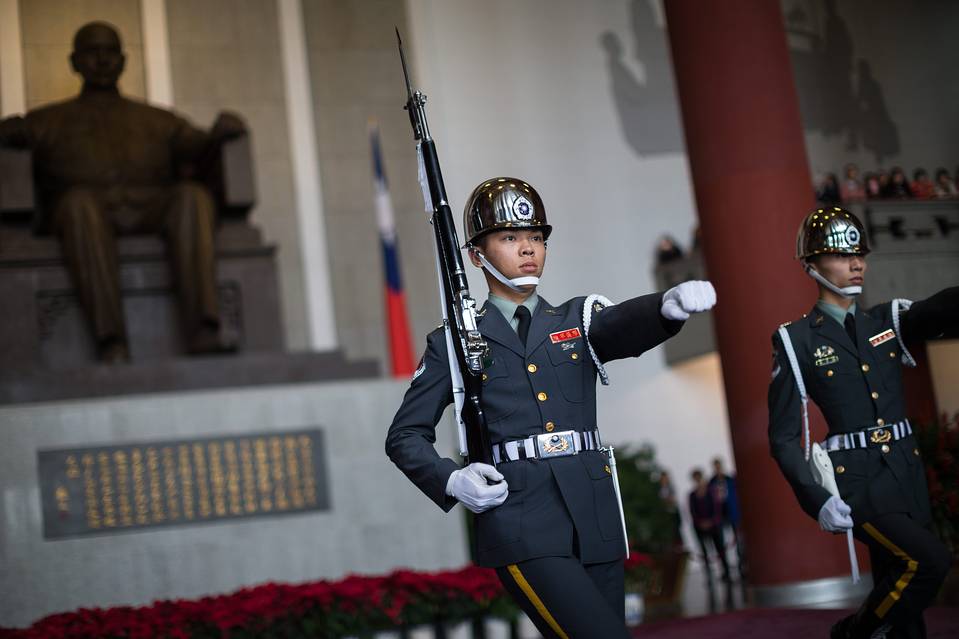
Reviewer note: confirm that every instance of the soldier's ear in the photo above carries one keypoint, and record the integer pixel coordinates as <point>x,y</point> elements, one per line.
<point>474,257</point>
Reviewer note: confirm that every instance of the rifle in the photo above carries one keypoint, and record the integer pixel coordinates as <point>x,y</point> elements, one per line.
<point>465,345</point>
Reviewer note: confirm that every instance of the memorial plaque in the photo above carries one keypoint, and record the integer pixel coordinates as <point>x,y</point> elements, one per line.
<point>109,489</point>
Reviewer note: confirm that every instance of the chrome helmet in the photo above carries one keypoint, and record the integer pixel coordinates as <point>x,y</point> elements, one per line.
<point>831,230</point>
<point>503,203</point>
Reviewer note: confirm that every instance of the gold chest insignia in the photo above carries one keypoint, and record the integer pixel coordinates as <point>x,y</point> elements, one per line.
<point>824,351</point>
<point>825,355</point>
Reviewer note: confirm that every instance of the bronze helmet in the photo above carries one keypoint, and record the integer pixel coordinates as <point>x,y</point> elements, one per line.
<point>831,230</point>
<point>502,203</point>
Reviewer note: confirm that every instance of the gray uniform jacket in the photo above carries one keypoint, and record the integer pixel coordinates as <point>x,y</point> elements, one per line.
<point>559,506</point>
<point>856,386</point>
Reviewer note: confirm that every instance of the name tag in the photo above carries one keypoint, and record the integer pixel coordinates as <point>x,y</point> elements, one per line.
<point>564,335</point>
<point>884,336</point>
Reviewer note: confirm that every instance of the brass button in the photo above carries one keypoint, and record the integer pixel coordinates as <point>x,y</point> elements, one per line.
<point>531,368</point>
<point>892,354</point>
<point>881,421</point>
<point>830,373</point>
<point>875,395</point>
<point>485,377</point>
<point>608,471</point>
<point>865,368</point>
<point>915,451</point>
<point>575,355</point>
<point>541,397</point>
<point>550,426</point>
<point>885,448</point>
<point>840,469</point>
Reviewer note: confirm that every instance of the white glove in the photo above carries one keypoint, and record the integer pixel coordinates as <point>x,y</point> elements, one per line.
<point>469,486</point>
<point>834,516</point>
<point>694,296</point>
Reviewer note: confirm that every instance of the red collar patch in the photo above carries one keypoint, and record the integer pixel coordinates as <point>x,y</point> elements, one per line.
<point>564,335</point>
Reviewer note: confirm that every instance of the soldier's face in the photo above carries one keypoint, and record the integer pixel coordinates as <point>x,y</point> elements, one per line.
<point>842,270</point>
<point>98,57</point>
<point>515,253</point>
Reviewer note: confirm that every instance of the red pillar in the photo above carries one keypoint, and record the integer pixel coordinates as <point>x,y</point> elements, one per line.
<point>752,184</point>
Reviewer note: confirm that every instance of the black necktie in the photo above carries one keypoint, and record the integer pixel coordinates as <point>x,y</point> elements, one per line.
<point>850,324</point>
<point>522,314</point>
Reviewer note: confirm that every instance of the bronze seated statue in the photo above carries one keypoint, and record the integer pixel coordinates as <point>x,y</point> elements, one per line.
<point>106,166</point>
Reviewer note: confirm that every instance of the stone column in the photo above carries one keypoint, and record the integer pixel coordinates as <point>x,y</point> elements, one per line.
<point>752,184</point>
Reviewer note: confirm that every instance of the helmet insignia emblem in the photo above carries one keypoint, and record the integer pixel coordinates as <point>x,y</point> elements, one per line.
<point>523,208</point>
<point>852,235</point>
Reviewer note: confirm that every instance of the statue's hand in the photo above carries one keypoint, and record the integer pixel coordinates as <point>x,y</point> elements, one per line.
<point>14,133</point>
<point>228,125</point>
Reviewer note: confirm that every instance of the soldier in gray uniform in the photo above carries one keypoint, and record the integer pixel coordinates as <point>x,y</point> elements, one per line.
<point>849,361</point>
<point>547,515</point>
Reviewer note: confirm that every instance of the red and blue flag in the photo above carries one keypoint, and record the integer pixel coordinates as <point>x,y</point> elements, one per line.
<point>397,322</point>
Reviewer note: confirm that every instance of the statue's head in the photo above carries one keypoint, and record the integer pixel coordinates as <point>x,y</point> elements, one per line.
<point>98,55</point>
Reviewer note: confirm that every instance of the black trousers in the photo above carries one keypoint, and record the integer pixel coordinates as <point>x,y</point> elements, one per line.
<point>714,535</point>
<point>566,599</point>
<point>909,564</point>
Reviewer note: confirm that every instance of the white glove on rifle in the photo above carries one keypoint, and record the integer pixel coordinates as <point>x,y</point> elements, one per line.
<point>834,516</point>
<point>469,486</point>
<point>695,296</point>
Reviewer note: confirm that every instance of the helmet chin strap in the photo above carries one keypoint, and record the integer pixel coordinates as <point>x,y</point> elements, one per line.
<point>515,283</point>
<point>847,292</point>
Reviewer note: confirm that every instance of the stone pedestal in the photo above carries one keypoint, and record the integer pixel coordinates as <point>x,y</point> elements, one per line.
<point>47,351</point>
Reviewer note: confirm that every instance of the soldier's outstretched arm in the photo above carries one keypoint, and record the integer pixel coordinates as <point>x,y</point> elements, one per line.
<point>935,316</point>
<point>412,435</point>
<point>785,433</point>
<point>631,328</point>
<point>637,325</point>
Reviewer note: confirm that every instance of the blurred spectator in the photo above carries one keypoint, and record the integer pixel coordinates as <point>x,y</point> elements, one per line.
<point>872,186</point>
<point>883,184</point>
<point>723,487</point>
<point>851,189</point>
<point>667,250</point>
<point>707,522</point>
<point>922,187</point>
<point>697,239</point>
<point>828,191</point>
<point>668,495</point>
<point>945,187</point>
<point>898,187</point>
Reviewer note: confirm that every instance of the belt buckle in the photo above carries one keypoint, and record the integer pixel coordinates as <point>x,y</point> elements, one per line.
<point>558,444</point>
<point>880,435</point>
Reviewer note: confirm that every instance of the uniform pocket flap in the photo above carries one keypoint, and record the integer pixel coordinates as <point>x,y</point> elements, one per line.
<point>570,352</point>
<point>495,370</point>
<point>597,465</point>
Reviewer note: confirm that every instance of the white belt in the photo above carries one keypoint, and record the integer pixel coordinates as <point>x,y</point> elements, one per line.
<point>558,444</point>
<point>874,436</point>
